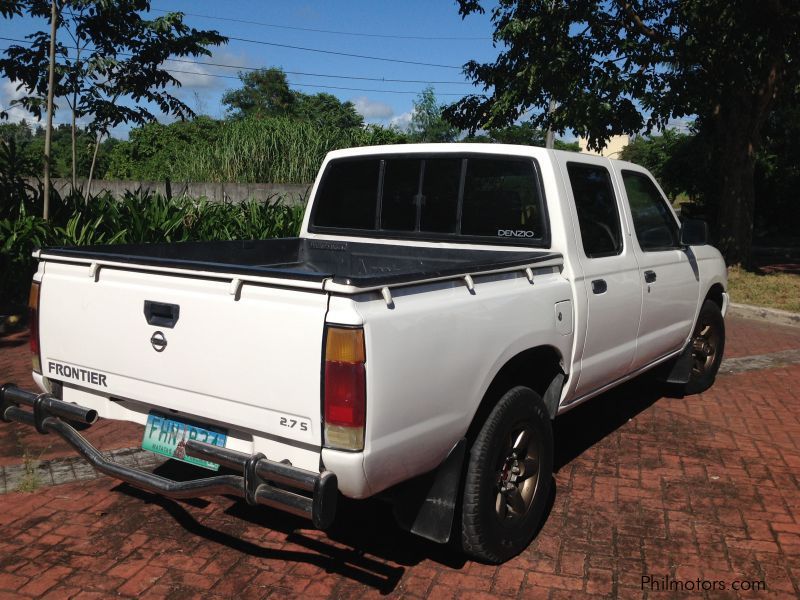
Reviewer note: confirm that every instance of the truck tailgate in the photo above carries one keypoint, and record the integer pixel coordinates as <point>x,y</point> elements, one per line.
<point>249,362</point>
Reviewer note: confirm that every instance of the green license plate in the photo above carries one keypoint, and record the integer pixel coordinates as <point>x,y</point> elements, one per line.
<point>166,436</point>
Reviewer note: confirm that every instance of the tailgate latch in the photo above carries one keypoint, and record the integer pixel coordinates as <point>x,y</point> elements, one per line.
<point>161,314</point>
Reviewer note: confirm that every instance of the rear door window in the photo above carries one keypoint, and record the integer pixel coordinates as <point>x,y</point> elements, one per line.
<point>596,204</point>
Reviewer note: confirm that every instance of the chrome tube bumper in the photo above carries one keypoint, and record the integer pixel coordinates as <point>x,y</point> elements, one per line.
<point>262,481</point>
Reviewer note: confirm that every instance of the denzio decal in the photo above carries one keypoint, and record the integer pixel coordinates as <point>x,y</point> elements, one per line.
<point>515,233</point>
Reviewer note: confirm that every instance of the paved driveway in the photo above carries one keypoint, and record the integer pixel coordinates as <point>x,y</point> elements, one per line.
<point>698,495</point>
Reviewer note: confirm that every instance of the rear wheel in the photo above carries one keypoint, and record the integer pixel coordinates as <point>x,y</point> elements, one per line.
<point>708,344</point>
<point>509,478</point>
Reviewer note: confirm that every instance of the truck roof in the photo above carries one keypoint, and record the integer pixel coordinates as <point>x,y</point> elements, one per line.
<point>469,148</point>
<point>456,147</point>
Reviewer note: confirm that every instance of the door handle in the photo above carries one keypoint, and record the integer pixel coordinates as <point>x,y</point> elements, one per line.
<point>161,314</point>
<point>599,286</point>
<point>649,276</point>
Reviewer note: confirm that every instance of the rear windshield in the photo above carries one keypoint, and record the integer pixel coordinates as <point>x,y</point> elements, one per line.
<point>447,197</point>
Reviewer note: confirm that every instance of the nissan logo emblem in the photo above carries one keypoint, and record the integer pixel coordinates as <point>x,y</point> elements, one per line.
<point>158,341</point>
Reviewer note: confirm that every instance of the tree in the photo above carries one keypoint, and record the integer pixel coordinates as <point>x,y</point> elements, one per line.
<point>675,159</point>
<point>266,93</point>
<point>619,66</point>
<point>327,110</point>
<point>155,151</point>
<point>427,123</point>
<point>111,53</point>
<point>381,135</point>
<point>777,210</point>
<point>521,133</point>
<point>30,144</point>
<point>15,190</point>
<point>21,132</point>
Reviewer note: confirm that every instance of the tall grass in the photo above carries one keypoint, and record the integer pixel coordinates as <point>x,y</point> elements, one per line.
<point>275,150</point>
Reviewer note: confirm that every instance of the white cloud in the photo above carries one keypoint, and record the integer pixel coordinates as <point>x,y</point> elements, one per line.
<point>199,88</point>
<point>195,76</point>
<point>192,75</point>
<point>402,121</point>
<point>9,93</point>
<point>373,109</point>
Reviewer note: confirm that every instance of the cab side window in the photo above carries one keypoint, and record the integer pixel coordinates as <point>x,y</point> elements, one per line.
<point>656,228</point>
<point>598,215</point>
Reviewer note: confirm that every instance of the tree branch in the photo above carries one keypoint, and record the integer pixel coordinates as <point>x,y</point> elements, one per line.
<point>640,25</point>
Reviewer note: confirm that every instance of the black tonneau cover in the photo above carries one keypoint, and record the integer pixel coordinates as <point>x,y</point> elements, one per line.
<point>350,263</point>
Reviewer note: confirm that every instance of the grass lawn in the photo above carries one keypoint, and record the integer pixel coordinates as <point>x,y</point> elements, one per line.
<point>774,290</point>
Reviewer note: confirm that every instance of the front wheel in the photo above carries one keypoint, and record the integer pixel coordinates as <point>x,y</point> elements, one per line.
<point>707,344</point>
<point>509,478</point>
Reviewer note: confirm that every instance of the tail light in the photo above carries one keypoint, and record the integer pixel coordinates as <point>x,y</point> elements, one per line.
<point>345,388</point>
<point>33,321</point>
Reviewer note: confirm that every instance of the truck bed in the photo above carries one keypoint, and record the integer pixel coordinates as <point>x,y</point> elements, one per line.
<point>350,263</point>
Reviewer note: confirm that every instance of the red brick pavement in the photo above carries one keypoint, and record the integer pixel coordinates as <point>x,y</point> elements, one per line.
<point>16,440</point>
<point>702,487</point>
<point>748,337</point>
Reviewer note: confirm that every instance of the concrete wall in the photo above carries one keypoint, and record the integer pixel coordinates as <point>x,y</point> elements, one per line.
<point>216,192</point>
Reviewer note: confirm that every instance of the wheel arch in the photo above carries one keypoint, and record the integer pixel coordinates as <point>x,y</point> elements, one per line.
<point>538,368</point>
<point>427,503</point>
<point>715,294</point>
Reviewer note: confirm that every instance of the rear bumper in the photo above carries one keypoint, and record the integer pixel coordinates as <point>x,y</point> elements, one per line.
<point>262,481</point>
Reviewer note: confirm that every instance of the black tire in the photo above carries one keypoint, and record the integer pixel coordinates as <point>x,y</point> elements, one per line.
<point>708,346</point>
<point>494,524</point>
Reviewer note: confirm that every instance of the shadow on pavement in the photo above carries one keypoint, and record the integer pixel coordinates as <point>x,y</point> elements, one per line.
<point>364,542</point>
<point>13,342</point>
<point>582,427</point>
<point>351,530</point>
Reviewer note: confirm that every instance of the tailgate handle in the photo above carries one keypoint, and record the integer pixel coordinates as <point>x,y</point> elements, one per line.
<point>161,314</point>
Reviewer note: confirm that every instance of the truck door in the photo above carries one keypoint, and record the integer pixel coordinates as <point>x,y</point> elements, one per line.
<point>610,274</point>
<point>668,271</point>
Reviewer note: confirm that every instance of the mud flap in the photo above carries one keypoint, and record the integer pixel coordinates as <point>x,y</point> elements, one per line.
<point>426,505</point>
<point>681,370</point>
<point>553,394</point>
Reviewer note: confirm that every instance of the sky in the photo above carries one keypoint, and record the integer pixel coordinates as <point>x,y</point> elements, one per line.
<point>415,31</point>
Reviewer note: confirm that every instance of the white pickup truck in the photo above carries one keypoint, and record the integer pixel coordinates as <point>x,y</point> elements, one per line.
<point>442,305</point>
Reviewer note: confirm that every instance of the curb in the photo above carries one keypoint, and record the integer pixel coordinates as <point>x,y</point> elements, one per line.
<point>71,469</point>
<point>770,315</point>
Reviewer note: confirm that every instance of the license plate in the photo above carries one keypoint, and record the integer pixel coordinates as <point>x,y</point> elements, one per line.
<point>166,436</point>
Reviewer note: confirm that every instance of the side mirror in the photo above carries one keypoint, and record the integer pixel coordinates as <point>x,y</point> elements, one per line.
<point>694,232</point>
